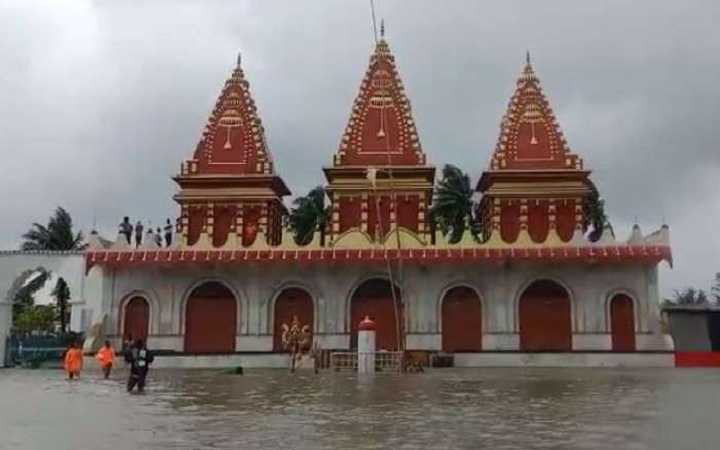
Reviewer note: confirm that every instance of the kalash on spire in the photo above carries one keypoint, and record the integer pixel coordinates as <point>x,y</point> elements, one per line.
<point>229,190</point>
<point>379,178</point>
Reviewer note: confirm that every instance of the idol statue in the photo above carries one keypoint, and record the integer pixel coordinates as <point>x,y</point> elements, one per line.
<point>296,339</point>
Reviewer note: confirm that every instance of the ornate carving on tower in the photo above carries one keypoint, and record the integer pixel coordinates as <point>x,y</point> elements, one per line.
<point>381,129</point>
<point>530,137</point>
<point>534,181</point>
<point>229,190</point>
<point>233,141</point>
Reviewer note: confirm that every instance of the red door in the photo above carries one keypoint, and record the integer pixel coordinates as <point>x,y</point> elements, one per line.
<point>374,299</point>
<point>622,324</point>
<point>291,303</point>
<point>545,318</point>
<point>461,321</point>
<point>137,319</point>
<point>210,320</point>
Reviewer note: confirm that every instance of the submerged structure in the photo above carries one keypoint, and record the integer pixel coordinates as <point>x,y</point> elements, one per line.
<point>235,277</point>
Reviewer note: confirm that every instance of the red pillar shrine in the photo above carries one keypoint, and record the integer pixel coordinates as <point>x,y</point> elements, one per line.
<point>536,187</point>
<point>379,179</point>
<point>229,191</point>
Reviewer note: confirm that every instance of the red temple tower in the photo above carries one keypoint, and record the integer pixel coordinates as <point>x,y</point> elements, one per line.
<point>536,187</point>
<point>229,191</point>
<point>379,179</point>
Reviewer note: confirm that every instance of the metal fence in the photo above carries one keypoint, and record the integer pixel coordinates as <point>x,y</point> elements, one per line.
<point>34,351</point>
<point>390,362</point>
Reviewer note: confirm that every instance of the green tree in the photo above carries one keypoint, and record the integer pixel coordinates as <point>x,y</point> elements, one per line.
<point>36,318</point>
<point>58,234</point>
<point>62,297</point>
<point>453,206</point>
<point>594,212</point>
<point>309,214</point>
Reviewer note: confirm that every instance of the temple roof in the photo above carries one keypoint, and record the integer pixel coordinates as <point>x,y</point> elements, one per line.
<point>381,130</point>
<point>530,137</point>
<point>233,142</point>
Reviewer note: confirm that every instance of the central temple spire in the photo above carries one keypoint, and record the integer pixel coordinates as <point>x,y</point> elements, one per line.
<point>379,179</point>
<point>381,129</point>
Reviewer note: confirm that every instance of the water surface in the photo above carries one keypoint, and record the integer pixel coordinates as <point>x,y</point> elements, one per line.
<point>441,409</point>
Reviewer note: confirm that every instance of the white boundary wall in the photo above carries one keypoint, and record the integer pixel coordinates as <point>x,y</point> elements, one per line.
<point>69,265</point>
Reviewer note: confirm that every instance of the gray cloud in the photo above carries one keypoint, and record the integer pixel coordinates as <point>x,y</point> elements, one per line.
<point>101,101</point>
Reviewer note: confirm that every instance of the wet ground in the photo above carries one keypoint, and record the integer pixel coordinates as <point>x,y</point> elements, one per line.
<point>442,409</point>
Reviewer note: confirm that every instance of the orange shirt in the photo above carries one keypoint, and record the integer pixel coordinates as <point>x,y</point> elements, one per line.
<point>73,360</point>
<point>105,355</point>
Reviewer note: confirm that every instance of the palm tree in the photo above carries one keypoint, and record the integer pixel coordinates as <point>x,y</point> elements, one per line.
<point>25,287</point>
<point>57,235</point>
<point>595,217</point>
<point>309,214</point>
<point>62,297</point>
<point>453,206</point>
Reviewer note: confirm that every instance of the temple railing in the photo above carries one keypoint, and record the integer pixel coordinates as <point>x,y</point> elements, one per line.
<point>389,362</point>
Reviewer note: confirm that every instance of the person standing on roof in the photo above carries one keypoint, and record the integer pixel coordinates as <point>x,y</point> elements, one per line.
<point>138,233</point>
<point>168,233</point>
<point>126,228</point>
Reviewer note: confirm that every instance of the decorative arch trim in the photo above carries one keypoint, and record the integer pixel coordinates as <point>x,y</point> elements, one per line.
<point>529,282</point>
<point>153,310</point>
<point>353,289</point>
<point>240,299</point>
<point>607,305</point>
<point>456,284</point>
<point>277,292</point>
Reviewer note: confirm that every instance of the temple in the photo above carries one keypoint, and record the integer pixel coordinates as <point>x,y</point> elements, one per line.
<point>532,283</point>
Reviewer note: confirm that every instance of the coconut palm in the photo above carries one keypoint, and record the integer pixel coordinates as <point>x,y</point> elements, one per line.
<point>308,215</point>
<point>453,206</point>
<point>25,286</point>
<point>57,235</point>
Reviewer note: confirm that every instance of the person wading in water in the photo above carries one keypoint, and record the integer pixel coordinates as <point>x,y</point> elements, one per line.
<point>105,357</point>
<point>139,358</point>
<point>73,361</point>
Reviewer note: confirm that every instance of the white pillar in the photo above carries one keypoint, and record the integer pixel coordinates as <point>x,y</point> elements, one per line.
<point>366,346</point>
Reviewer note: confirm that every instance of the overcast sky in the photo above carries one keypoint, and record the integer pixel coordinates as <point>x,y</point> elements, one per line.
<point>101,101</point>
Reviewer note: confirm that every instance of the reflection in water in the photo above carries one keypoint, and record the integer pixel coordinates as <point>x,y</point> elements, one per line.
<point>448,408</point>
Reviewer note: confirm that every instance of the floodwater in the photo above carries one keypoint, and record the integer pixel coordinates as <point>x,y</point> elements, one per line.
<point>440,409</point>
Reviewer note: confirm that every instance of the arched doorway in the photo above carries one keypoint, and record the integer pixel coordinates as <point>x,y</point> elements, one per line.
<point>545,318</point>
<point>210,319</point>
<point>461,320</point>
<point>374,299</point>
<point>136,319</point>
<point>622,323</point>
<point>292,302</point>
